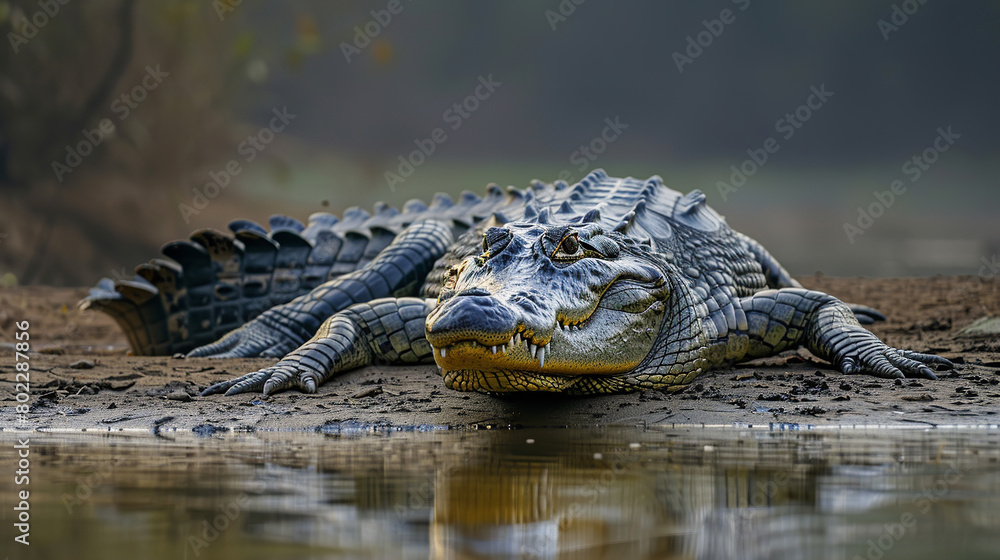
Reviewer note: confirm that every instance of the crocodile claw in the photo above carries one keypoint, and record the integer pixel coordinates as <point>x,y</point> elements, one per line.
<point>279,377</point>
<point>243,384</point>
<point>873,357</point>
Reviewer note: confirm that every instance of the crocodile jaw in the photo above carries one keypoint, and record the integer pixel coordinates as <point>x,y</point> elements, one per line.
<point>591,347</point>
<point>609,342</point>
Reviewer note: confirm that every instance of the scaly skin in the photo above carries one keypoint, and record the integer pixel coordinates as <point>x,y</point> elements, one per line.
<point>607,286</point>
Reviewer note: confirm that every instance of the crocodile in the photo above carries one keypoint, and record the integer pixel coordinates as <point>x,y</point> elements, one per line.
<point>607,285</point>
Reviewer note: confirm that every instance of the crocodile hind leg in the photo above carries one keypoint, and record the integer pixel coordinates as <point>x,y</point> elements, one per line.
<point>777,320</point>
<point>389,330</point>
<point>399,270</point>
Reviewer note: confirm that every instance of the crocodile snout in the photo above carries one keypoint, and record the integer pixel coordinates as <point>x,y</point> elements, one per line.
<point>470,316</point>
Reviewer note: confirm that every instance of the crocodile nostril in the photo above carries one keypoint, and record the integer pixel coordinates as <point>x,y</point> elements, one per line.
<point>474,292</point>
<point>478,318</point>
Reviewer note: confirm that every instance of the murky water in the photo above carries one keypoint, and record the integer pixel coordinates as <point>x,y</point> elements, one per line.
<point>547,493</point>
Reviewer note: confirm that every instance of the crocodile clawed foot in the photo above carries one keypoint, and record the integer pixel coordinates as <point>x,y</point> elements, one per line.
<point>875,358</point>
<point>289,376</point>
<point>250,382</point>
<point>279,377</point>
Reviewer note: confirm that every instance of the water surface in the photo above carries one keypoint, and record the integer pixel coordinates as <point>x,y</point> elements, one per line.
<point>538,493</point>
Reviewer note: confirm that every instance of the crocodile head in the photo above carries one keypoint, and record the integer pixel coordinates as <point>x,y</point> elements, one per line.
<point>547,308</point>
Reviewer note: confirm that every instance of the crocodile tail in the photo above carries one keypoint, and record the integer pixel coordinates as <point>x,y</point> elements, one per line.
<point>216,282</point>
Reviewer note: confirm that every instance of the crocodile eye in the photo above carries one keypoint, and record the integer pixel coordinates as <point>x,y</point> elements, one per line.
<point>451,275</point>
<point>450,278</point>
<point>568,249</point>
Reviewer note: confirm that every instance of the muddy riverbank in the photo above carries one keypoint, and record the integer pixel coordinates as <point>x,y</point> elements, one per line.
<point>83,378</point>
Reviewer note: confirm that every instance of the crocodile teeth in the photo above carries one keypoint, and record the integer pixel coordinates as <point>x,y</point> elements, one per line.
<point>533,348</point>
<point>541,357</point>
<point>494,348</point>
<point>443,352</point>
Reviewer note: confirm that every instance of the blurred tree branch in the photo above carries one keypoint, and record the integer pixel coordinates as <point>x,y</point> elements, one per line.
<point>65,77</point>
<point>123,53</point>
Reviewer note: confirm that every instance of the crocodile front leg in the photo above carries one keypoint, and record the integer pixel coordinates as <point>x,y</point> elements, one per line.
<point>777,320</point>
<point>389,330</point>
<point>397,271</point>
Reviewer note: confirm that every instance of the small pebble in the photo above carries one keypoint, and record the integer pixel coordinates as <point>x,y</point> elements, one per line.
<point>82,364</point>
<point>181,396</point>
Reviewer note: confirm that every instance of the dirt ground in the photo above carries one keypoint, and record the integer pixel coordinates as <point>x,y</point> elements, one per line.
<point>82,378</point>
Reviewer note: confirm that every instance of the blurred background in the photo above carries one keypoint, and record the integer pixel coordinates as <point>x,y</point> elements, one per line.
<point>127,124</point>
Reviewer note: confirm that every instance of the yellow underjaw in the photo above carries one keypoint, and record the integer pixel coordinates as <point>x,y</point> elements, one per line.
<point>569,350</point>
<point>517,353</point>
<point>571,347</point>
<point>521,351</point>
